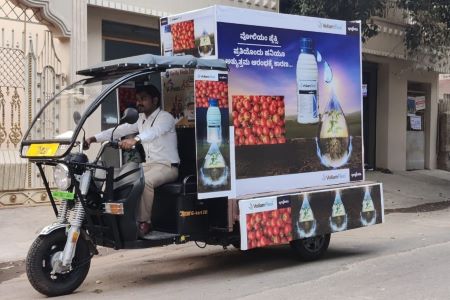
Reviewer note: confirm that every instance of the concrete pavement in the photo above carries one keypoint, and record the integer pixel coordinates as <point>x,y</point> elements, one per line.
<point>402,190</point>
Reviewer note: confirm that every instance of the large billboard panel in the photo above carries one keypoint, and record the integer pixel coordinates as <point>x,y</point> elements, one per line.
<point>294,94</point>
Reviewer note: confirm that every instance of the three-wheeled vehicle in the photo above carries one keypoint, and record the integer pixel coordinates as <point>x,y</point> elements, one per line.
<point>95,193</point>
<point>98,202</point>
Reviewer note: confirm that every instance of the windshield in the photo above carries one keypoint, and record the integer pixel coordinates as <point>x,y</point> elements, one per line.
<point>57,121</point>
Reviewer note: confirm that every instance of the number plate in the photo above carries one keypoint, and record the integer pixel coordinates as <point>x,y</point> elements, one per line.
<point>42,149</point>
<point>63,195</point>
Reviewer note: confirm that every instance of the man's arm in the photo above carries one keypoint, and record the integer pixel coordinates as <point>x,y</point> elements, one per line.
<point>105,135</point>
<point>122,130</point>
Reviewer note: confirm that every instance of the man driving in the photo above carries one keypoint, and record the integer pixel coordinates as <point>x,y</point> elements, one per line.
<point>155,129</point>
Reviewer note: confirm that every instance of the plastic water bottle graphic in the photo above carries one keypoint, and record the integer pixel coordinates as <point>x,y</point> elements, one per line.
<point>307,77</point>
<point>167,41</point>
<point>213,123</point>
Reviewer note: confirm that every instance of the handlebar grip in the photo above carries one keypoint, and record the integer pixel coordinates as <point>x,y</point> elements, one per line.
<point>114,144</point>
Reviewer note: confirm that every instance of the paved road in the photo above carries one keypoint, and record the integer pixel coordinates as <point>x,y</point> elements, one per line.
<point>408,257</point>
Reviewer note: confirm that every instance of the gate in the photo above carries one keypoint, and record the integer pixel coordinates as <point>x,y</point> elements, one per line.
<point>30,75</point>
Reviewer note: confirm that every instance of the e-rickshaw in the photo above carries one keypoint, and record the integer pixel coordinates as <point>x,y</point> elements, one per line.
<point>95,199</point>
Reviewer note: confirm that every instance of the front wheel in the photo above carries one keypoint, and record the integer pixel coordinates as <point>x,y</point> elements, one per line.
<point>39,265</point>
<point>311,248</point>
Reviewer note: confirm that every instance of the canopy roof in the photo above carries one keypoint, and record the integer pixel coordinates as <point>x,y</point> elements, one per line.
<point>145,61</point>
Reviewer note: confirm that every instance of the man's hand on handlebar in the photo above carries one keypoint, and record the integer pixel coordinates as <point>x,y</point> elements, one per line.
<point>87,142</point>
<point>127,144</point>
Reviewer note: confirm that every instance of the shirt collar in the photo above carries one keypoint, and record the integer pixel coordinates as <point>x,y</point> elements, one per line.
<point>153,114</point>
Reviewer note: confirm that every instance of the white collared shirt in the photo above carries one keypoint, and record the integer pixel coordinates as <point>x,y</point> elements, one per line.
<point>157,134</point>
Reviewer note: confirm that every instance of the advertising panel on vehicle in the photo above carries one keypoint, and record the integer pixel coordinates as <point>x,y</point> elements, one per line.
<point>294,93</point>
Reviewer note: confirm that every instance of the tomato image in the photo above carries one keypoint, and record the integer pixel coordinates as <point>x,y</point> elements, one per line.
<point>183,36</point>
<point>262,115</point>
<point>204,90</point>
<point>269,228</point>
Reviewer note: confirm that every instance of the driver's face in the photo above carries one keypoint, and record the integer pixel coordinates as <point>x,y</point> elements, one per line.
<point>145,103</point>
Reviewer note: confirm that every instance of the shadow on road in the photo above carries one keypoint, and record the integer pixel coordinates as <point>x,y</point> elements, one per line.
<point>427,207</point>
<point>228,264</point>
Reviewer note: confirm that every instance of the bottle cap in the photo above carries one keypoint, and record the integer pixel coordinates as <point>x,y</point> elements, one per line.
<point>306,43</point>
<point>212,102</point>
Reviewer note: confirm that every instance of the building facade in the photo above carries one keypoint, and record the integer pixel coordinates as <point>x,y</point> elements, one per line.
<point>44,42</point>
<point>401,104</point>
<point>42,45</point>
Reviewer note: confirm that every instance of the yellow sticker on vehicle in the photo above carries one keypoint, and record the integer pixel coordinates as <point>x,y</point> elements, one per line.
<point>42,149</point>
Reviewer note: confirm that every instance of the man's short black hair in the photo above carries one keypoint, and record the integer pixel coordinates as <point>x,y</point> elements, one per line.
<point>150,90</point>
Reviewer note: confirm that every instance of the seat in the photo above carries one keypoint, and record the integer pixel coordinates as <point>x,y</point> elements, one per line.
<point>173,197</point>
<point>187,181</point>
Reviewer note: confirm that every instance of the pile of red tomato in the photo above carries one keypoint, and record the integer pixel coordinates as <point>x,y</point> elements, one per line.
<point>183,35</point>
<point>258,120</point>
<point>205,90</point>
<point>269,228</point>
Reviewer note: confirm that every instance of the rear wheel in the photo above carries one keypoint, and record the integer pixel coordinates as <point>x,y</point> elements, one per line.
<point>39,265</point>
<point>311,248</point>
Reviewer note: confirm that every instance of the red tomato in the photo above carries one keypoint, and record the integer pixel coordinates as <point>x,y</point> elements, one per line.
<point>280,223</point>
<point>287,229</point>
<point>275,214</point>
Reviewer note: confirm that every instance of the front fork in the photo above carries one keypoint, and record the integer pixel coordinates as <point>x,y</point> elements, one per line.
<point>63,260</point>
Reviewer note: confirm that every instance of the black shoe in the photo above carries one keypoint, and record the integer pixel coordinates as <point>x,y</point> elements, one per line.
<point>144,229</point>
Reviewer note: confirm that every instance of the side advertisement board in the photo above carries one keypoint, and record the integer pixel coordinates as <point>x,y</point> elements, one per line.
<point>293,94</point>
<point>281,219</point>
<point>214,158</point>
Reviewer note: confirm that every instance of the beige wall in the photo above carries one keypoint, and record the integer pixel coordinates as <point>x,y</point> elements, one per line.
<point>393,77</point>
<point>444,85</point>
<point>94,23</point>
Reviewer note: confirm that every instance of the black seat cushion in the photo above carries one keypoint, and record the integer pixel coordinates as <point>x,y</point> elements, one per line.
<point>186,151</point>
<point>177,187</point>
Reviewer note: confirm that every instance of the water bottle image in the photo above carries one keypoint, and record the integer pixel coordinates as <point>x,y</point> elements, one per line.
<point>167,41</point>
<point>307,77</point>
<point>213,123</point>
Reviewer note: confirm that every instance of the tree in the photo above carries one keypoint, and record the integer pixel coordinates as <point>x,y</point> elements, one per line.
<point>427,38</point>
<point>348,10</point>
<point>428,32</point>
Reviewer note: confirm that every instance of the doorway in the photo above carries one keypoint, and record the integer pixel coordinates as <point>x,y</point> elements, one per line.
<point>417,93</point>
<point>369,98</point>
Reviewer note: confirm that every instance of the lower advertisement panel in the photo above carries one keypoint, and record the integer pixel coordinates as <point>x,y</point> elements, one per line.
<point>279,219</point>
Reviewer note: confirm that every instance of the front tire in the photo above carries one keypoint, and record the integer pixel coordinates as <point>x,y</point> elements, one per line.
<point>38,265</point>
<point>312,248</point>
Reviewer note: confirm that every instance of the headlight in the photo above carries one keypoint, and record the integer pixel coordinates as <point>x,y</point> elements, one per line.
<point>61,177</point>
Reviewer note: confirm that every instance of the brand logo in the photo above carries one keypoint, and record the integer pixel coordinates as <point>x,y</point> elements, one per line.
<point>330,26</point>
<point>257,205</point>
<point>333,177</point>
<point>308,85</point>
<point>356,174</point>
<point>352,28</point>
<point>223,77</point>
<point>282,202</point>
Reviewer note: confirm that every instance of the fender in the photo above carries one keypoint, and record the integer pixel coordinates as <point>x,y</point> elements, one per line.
<point>52,227</point>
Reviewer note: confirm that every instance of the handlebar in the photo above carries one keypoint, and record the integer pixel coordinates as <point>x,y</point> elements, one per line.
<point>113,144</point>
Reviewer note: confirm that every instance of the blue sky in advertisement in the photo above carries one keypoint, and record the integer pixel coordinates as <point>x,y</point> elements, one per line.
<point>246,52</point>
